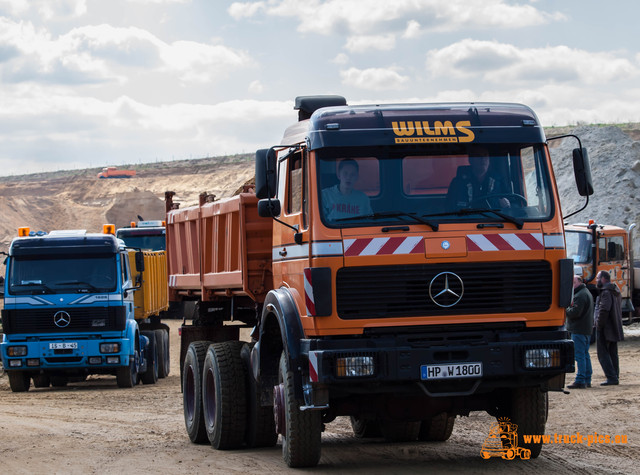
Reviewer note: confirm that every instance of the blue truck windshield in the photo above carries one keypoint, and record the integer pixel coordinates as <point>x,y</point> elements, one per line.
<point>369,186</point>
<point>62,275</point>
<point>144,238</point>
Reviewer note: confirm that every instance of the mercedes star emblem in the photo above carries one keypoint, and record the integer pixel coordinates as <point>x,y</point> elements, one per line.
<point>61,319</point>
<point>446,289</point>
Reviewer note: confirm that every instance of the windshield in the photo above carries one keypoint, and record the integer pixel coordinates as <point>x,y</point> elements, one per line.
<point>60,275</point>
<point>441,183</point>
<point>578,246</point>
<point>148,239</point>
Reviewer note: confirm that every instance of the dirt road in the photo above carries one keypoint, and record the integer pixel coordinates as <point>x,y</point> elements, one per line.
<point>95,427</point>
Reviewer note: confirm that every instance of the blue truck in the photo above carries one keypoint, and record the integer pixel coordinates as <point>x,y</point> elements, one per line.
<point>77,303</point>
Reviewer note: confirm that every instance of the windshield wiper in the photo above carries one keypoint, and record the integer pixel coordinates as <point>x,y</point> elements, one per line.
<point>392,214</point>
<point>466,211</point>
<point>78,282</point>
<point>44,287</point>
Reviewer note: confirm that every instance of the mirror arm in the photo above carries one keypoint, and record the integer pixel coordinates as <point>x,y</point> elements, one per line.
<point>576,212</point>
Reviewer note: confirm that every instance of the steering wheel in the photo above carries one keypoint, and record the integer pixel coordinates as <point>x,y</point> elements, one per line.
<point>497,196</point>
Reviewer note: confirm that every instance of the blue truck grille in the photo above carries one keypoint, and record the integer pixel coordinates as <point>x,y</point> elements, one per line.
<point>443,289</point>
<point>81,319</point>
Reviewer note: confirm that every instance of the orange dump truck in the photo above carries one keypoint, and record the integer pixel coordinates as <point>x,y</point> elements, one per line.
<point>398,264</point>
<point>113,172</point>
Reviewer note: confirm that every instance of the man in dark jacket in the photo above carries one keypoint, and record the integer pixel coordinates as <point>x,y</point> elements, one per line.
<point>608,327</point>
<point>580,325</point>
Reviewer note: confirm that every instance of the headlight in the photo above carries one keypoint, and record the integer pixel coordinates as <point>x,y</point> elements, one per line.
<point>542,358</point>
<point>17,351</point>
<point>109,347</point>
<point>355,366</point>
<point>113,360</point>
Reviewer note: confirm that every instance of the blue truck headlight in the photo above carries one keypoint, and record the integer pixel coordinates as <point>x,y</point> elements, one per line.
<point>17,351</point>
<point>95,359</point>
<point>109,347</point>
<point>542,358</point>
<point>113,360</point>
<point>15,363</point>
<point>33,362</point>
<point>355,366</point>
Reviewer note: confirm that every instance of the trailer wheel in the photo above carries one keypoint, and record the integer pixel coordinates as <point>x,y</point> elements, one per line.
<point>192,391</point>
<point>224,395</point>
<point>261,425</point>
<point>437,428</point>
<point>150,376</point>
<point>399,431</point>
<point>127,376</point>
<point>365,428</point>
<point>41,381</point>
<point>528,411</point>
<point>19,381</point>
<point>301,430</point>
<point>164,361</point>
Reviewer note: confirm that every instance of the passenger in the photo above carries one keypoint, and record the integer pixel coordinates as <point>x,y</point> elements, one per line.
<point>342,200</point>
<point>474,186</point>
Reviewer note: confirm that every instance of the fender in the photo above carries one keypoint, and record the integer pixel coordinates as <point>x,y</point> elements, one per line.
<point>280,329</point>
<point>131,334</point>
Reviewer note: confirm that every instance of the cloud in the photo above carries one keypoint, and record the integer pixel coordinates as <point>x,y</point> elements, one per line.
<point>362,17</point>
<point>104,53</point>
<point>374,79</point>
<point>360,44</point>
<point>504,63</point>
<point>256,87</point>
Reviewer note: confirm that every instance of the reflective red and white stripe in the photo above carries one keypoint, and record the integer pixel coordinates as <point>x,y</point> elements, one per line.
<point>313,366</point>
<point>308,293</point>
<point>384,246</point>
<point>506,242</point>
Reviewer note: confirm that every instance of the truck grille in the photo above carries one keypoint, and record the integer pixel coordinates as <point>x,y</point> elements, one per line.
<point>82,319</point>
<point>403,290</point>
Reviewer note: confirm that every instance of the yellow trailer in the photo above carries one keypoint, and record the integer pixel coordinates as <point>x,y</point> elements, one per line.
<point>152,297</point>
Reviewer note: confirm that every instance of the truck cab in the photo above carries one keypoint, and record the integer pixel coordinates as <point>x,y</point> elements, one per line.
<point>69,311</point>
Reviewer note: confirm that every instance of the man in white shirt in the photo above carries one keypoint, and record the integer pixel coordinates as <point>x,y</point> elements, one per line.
<point>342,200</point>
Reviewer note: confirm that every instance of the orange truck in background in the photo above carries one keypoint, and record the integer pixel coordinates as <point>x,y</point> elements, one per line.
<point>113,172</point>
<point>595,247</point>
<point>403,306</point>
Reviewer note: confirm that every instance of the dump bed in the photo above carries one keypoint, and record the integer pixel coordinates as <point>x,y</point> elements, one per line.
<point>220,248</point>
<point>152,298</point>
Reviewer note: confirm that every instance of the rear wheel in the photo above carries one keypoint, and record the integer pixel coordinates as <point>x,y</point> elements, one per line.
<point>192,391</point>
<point>301,430</point>
<point>164,362</point>
<point>365,428</point>
<point>437,428</point>
<point>19,381</point>
<point>399,431</point>
<point>150,376</point>
<point>261,426</point>
<point>41,381</point>
<point>59,381</point>
<point>224,395</point>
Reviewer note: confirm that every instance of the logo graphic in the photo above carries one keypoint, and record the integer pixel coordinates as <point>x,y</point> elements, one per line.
<point>445,245</point>
<point>502,442</point>
<point>62,319</point>
<point>422,131</point>
<point>446,289</point>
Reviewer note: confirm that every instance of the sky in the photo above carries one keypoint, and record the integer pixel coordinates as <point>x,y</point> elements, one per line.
<point>91,83</point>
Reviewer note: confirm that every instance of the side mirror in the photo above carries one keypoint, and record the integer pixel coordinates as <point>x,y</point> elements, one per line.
<point>582,172</point>
<point>269,208</point>
<point>266,162</point>
<point>139,261</point>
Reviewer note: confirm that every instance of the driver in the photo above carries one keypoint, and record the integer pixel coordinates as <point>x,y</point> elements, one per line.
<point>473,184</point>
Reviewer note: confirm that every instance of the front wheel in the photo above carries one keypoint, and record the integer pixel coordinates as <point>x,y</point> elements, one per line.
<point>301,430</point>
<point>19,381</point>
<point>127,376</point>
<point>529,412</point>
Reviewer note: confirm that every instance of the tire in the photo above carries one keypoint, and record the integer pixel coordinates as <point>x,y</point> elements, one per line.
<point>528,411</point>
<point>224,395</point>
<point>365,428</point>
<point>302,431</point>
<point>399,431</point>
<point>59,381</point>
<point>150,376</point>
<point>164,361</point>
<point>192,391</point>
<point>19,381</point>
<point>261,425</point>
<point>41,381</point>
<point>127,376</point>
<point>437,428</point>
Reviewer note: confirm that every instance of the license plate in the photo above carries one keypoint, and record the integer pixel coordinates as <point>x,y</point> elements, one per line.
<point>67,345</point>
<point>451,371</point>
